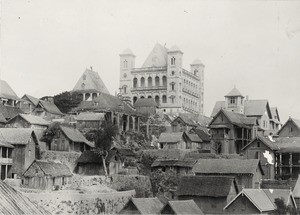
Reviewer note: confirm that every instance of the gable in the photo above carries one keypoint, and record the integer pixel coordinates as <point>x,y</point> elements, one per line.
<point>290,128</point>
<point>157,57</point>
<point>220,119</point>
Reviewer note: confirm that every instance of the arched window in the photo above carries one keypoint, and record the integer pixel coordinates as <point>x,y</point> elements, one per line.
<point>87,96</point>
<point>173,73</point>
<point>164,99</point>
<point>135,83</point>
<point>164,79</point>
<point>156,81</point>
<point>125,63</point>
<point>149,82</point>
<point>124,89</point>
<point>149,97</point>
<point>172,86</point>
<point>157,99</point>
<point>142,82</point>
<point>196,72</point>
<point>134,99</point>
<point>94,95</point>
<point>142,97</point>
<point>173,61</point>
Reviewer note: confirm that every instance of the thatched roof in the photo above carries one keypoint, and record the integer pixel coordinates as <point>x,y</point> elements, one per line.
<point>16,136</point>
<point>210,186</point>
<point>47,168</point>
<point>50,107</point>
<point>182,207</point>
<point>13,202</point>
<point>227,166</point>
<point>147,205</point>
<point>75,135</point>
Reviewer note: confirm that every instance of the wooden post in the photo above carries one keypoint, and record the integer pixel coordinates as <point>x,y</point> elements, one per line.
<point>242,138</point>
<point>133,123</point>
<point>280,164</point>
<point>291,163</point>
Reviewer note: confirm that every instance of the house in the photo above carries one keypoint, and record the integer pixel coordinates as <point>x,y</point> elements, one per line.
<point>47,110</point>
<point>13,202</point>
<point>142,206</point>
<point>173,140</point>
<point>210,193</point>
<point>6,160</point>
<point>28,103</point>
<point>25,145</point>
<point>46,175</point>
<point>187,121</point>
<point>260,109</point>
<point>89,120</point>
<point>259,201</point>
<point>91,163</point>
<point>181,207</point>
<point>146,106</point>
<point>231,131</point>
<point>203,134</point>
<point>7,95</point>
<point>291,128</point>
<point>69,139</point>
<point>27,121</point>
<point>247,173</point>
<point>180,166</point>
<point>264,149</point>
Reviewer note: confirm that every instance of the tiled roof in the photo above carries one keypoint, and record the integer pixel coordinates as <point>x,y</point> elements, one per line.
<point>7,92</point>
<point>32,119</point>
<point>218,106</point>
<point>257,107</point>
<point>146,102</point>
<point>297,122</point>
<point>183,207</point>
<point>13,202</point>
<point>265,140</point>
<point>158,57</point>
<point>47,168</point>
<point>4,144</point>
<point>90,80</point>
<point>234,92</point>
<point>226,166</point>
<point>173,137</point>
<point>50,107</point>
<point>264,199</point>
<point>75,135</point>
<point>194,138</point>
<point>127,52</point>
<point>173,162</point>
<point>90,116</point>
<point>288,144</point>
<point>32,99</point>
<point>2,118</point>
<point>16,136</point>
<point>206,186</point>
<point>9,112</point>
<point>274,112</point>
<point>167,154</point>
<point>147,205</point>
<point>202,134</point>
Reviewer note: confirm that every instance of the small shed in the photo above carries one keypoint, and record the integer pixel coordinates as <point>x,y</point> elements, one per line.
<point>45,175</point>
<point>142,206</point>
<point>175,140</point>
<point>27,121</point>
<point>90,163</point>
<point>181,207</point>
<point>89,120</point>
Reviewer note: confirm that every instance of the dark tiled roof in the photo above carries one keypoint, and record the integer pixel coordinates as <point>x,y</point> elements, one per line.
<point>146,102</point>
<point>47,168</point>
<point>226,166</point>
<point>175,162</point>
<point>194,138</point>
<point>202,134</point>
<point>50,107</point>
<point>147,205</point>
<point>173,137</point>
<point>209,186</point>
<point>288,144</point>
<point>256,107</point>
<point>16,136</point>
<point>264,140</point>
<point>75,135</point>
<point>13,202</point>
<point>32,99</point>
<point>183,207</point>
<point>9,112</point>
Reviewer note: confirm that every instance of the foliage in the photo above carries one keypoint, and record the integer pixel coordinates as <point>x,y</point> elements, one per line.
<point>163,182</point>
<point>50,132</point>
<point>65,101</point>
<point>145,163</point>
<point>282,208</point>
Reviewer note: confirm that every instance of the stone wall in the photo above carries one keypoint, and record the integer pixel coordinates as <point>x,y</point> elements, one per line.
<point>67,158</point>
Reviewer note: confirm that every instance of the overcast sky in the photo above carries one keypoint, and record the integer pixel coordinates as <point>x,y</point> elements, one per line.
<point>255,45</point>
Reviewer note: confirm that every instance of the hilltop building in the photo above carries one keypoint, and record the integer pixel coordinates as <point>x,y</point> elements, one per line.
<point>163,78</point>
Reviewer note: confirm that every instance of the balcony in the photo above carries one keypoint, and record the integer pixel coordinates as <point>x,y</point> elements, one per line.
<point>6,160</point>
<point>149,88</point>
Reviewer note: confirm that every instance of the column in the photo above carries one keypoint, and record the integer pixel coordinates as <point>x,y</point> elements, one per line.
<point>6,171</point>
<point>133,123</point>
<point>127,123</point>
<point>280,164</point>
<point>291,163</point>
<point>138,124</point>
<point>83,96</point>
<point>0,152</point>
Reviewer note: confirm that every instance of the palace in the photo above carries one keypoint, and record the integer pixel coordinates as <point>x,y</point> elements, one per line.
<point>162,78</point>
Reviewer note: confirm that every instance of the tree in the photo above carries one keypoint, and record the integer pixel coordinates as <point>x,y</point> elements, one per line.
<point>282,208</point>
<point>103,138</point>
<point>65,101</point>
<point>50,132</point>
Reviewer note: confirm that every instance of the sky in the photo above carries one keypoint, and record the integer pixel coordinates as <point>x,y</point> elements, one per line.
<point>254,45</point>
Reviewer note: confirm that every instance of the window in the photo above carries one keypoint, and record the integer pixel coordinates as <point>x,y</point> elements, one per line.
<point>232,100</point>
<point>125,64</point>
<point>196,72</point>
<point>164,99</point>
<point>173,61</point>
<point>173,73</point>
<point>125,89</point>
<point>172,86</point>
<point>135,82</point>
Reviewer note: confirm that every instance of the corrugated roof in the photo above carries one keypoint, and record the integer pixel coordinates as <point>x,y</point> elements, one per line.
<point>146,102</point>
<point>90,116</point>
<point>47,168</point>
<point>16,136</point>
<point>75,135</point>
<point>147,205</point>
<point>7,92</point>
<point>209,186</point>
<point>183,207</point>
<point>234,92</point>
<point>158,57</point>
<point>32,99</point>
<point>173,137</point>
<point>173,162</point>
<point>50,107</point>
<point>32,119</point>
<point>226,166</point>
<point>13,202</point>
<point>90,80</point>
